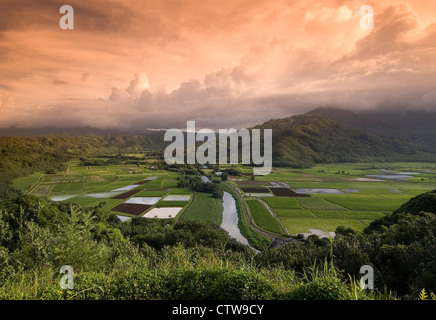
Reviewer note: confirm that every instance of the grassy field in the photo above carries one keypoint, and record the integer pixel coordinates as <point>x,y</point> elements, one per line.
<point>204,208</point>
<point>359,199</point>
<point>318,203</point>
<point>262,217</point>
<point>25,183</point>
<point>302,225</point>
<point>282,203</point>
<point>370,204</point>
<point>80,183</point>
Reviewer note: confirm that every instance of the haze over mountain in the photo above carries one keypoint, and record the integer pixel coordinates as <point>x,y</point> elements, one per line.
<point>417,126</point>
<point>383,121</point>
<point>316,137</point>
<point>75,131</point>
<point>319,136</point>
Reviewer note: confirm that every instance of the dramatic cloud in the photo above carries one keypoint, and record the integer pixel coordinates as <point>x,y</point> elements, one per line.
<point>231,63</point>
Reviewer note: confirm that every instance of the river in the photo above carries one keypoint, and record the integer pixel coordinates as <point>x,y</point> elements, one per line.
<point>230,217</point>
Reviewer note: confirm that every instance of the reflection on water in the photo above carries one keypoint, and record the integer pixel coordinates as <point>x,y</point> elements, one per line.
<point>319,191</point>
<point>230,218</point>
<point>390,175</point>
<point>396,176</point>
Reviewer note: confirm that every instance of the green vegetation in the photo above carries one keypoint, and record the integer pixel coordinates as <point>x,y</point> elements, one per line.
<point>316,203</point>
<point>191,257</point>
<point>305,224</point>
<point>305,140</point>
<point>204,208</point>
<point>369,200</point>
<point>371,204</point>
<point>255,239</point>
<point>295,213</point>
<point>262,217</point>
<point>422,203</point>
<point>184,262</point>
<point>195,183</point>
<point>282,203</point>
<point>359,199</point>
<point>26,182</point>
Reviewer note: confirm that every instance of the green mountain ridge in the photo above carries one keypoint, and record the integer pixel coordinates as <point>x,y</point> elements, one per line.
<point>305,140</point>
<point>416,127</point>
<point>323,135</point>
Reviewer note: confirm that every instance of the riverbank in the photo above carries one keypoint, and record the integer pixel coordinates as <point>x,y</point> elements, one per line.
<point>258,240</point>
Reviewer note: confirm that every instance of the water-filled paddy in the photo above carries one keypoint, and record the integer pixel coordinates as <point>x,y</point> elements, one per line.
<point>63,198</point>
<point>143,200</point>
<point>163,213</point>
<point>123,218</point>
<point>319,191</point>
<point>397,177</point>
<point>101,195</point>
<point>127,188</point>
<point>177,197</point>
<point>253,194</point>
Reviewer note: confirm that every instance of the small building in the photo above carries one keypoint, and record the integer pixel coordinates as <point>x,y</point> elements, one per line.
<point>278,242</point>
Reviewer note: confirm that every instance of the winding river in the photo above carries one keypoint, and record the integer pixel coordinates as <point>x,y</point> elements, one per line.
<point>230,217</point>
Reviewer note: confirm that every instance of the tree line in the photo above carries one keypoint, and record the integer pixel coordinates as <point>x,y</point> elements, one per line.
<point>36,236</point>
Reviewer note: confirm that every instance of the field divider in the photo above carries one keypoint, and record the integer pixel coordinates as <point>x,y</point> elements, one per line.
<point>343,214</point>
<point>284,229</point>
<point>179,216</point>
<point>49,193</point>
<point>248,217</point>
<point>253,221</point>
<point>37,183</point>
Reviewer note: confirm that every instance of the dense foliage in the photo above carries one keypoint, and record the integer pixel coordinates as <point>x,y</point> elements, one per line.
<point>193,260</point>
<point>148,258</point>
<point>195,183</point>
<point>304,140</point>
<point>153,259</point>
<point>21,156</point>
<point>425,202</point>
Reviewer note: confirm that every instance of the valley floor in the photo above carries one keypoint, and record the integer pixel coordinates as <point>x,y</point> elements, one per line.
<point>286,202</point>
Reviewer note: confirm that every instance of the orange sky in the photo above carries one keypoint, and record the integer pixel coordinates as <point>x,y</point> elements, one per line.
<point>157,64</point>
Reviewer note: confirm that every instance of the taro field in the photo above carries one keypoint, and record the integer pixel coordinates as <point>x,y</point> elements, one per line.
<point>290,201</point>
<point>125,190</point>
<point>286,202</point>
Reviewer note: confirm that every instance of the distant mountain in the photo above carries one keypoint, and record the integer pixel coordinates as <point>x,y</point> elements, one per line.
<point>20,153</point>
<point>414,126</point>
<point>382,121</point>
<point>78,131</point>
<point>315,137</point>
<point>323,135</point>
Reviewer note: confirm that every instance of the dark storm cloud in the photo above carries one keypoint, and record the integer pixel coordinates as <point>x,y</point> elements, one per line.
<point>223,64</point>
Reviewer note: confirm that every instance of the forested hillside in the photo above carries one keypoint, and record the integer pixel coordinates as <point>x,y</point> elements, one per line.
<point>304,140</point>
<point>149,259</point>
<point>153,259</point>
<point>416,127</point>
<point>23,155</point>
<point>320,136</point>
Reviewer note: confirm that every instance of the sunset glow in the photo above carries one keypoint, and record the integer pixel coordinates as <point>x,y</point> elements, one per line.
<point>156,64</point>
